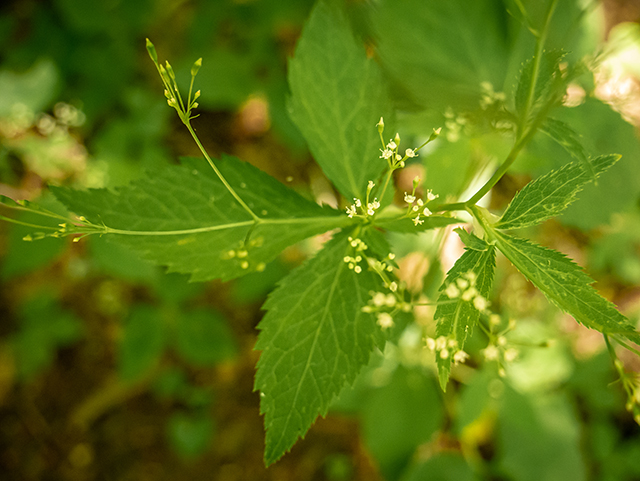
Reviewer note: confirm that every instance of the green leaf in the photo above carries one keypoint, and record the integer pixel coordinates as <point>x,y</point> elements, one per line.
<point>457,319</point>
<point>540,85</point>
<point>471,241</point>
<point>337,97</point>
<point>142,344</point>
<point>203,338</point>
<point>570,140</point>
<point>184,218</point>
<point>566,285</point>
<point>550,194</point>
<point>314,340</point>
<point>406,225</point>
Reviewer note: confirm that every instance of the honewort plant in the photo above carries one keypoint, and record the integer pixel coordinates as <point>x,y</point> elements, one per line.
<point>223,218</point>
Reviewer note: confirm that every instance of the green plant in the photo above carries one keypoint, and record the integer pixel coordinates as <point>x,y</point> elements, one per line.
<point>326,318</point>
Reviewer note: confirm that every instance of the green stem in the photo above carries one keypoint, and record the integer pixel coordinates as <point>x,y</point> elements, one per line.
<point>219,174</point>
<point>525,133</point>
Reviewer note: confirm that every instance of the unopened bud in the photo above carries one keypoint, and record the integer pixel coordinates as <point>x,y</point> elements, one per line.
<point>380,125</point>
<point>434,134</point>
<point>196,95</point>
<point>170,71</point>
<point>196,66</point>
<point>152,51</point>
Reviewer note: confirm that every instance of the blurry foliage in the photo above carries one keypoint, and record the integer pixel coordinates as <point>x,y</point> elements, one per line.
<point>551,418</point>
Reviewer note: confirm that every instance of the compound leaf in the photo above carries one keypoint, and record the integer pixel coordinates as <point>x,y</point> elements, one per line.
<point>566,285</point>
<point>569,139</point>
<point>183,217</point>
<point>337,97</point>
<point>314,340</point>
<point>540,85</point>
<point>551,193</point>
<point>471,275</point>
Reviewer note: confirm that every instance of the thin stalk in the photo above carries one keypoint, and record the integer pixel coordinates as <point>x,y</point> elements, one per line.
<point>219,174</point>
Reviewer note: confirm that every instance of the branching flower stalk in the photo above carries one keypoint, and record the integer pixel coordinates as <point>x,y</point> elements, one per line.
<point>174,99</point>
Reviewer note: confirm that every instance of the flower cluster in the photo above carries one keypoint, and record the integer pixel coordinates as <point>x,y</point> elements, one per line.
<point>464,287</point>
<point>454,124</point>
<point>353,261</point>
<point>367,209</point>
<point>490,96</point>
<point>446,347</point>
<point>631,384</point>
<point>390,151</point>
<point>498,348</point>
<point>418,206</point>
<point>385,305</point>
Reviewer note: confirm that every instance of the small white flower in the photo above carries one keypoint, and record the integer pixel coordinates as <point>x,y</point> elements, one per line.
<point>462,283</point>
<point>392,145</point>
<point>452,291</point>
<point>431,196</point>
<point>431,343</point>
<point>399,158</point>
<point>417,220</point>
<point>491,353</point>
<point>480,303</point>
<point>351,211</point>
<point>386,154</point>
<point>441,343</point>
<point>415,208</point>
<point>426,212</point>
<point>460,357</point>
<point>510,355</point>
<point>371,185</point>
<point>393,287</point>
<point>502,341</point>
<point>410,153</point>
<point>391,256</point>
<point>420,202</point>
<point>357,202</point>
<point>385,321</point>
<point>379,299</point>
<point>390,300</point>
<point>409,199</point>
<point>471,276</point>
<point>469,294</point>
<point>494,320</point>
<point>444,353</point>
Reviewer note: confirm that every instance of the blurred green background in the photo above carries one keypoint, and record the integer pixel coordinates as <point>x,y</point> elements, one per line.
<point>111,369</point>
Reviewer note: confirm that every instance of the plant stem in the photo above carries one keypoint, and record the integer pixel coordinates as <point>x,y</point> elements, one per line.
<point>219,174</point>
<point>525,132</point>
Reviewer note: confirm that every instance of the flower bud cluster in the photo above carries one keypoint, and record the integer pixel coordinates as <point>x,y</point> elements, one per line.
<point>418,206</point>
<point>464,287</point>
<point>498,348</point>
<point>490,96</point>
<point>367,208</point>
<point>454,124</point>
<point>353,261</point>
<point>446,347</point>
<point>390,152</point>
